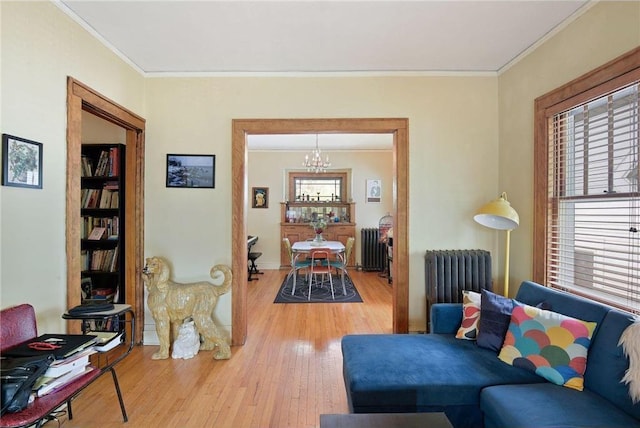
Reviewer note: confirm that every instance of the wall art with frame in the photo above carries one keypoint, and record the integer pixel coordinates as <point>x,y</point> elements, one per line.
<point>374,190</point>
<point>21,162</point>
<point>191,171</point>
<point>260,197</point>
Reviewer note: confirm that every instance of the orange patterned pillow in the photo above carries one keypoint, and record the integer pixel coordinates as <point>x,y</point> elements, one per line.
<point>470,315</point>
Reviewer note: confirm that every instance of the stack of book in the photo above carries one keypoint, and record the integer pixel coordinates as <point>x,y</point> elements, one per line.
<point>71,353</point>
<point>64,371</point>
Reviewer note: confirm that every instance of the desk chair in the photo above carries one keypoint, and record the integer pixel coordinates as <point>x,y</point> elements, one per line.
<point>295,265</point>
<point>319,266</point>
<point>252,257</point>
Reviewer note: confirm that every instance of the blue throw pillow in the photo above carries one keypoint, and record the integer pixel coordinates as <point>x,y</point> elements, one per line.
<point>495,316</point>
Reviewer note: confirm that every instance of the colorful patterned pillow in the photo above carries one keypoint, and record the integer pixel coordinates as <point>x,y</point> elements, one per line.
<point>470,315</point>
<point>552,345</point>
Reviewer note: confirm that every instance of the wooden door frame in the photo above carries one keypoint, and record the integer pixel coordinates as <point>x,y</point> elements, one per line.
<point>399,128</point>
<point>82,98</point>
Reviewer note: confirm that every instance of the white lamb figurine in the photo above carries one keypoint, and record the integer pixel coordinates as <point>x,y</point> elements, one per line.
<point>187,344</point>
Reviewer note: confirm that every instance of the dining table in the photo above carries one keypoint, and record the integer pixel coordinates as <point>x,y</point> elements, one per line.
<point>335,247</point>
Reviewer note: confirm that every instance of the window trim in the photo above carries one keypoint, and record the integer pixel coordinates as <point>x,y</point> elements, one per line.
<point>616,73</point>
<point>294,175</point>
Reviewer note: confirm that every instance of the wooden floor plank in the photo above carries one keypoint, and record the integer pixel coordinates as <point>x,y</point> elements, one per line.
<point>286,375</point>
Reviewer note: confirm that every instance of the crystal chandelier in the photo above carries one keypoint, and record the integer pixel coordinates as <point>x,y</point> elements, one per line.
<point>314,161</point>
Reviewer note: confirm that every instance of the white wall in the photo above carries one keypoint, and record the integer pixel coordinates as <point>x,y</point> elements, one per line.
<point>269,169</point>
<point>604,32</point>
<point>40,47</point>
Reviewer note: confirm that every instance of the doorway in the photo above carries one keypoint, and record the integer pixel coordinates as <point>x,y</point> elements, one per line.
<point>81,98</point>
<point>244,127</point>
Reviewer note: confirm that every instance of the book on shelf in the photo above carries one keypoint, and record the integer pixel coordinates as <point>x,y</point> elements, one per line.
<point>97,233</point>
<point>111,185</point>
<point>47,385</point>
<point>104,293</point>
<point>115,199</point>
<point>114,161</point>
<point>87,167</point>
<point>105,199</point>
<point>103,164</point>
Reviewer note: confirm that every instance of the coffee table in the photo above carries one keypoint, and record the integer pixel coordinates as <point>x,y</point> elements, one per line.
<point>385,420</point>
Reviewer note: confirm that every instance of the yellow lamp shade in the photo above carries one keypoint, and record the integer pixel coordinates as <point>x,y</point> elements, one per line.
<point>498,214</point>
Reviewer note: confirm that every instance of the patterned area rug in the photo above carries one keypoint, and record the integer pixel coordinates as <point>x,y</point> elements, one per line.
<point>319,293</point>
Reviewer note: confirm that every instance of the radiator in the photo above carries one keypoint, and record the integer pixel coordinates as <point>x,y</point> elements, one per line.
<point>372,252</point>
<point>448,272</point>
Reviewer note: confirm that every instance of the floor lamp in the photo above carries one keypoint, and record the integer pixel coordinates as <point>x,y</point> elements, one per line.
<point>498,214</point>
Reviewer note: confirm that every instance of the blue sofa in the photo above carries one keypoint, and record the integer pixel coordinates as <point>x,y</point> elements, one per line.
<point>438,373</point>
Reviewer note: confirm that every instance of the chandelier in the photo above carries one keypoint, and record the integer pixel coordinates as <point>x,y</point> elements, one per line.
<point>314,161</point>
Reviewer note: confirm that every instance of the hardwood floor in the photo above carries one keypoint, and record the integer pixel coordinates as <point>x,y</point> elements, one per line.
<point>286,375</point>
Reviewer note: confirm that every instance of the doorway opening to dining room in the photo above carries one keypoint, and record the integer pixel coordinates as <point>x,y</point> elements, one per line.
<point>243,128</point>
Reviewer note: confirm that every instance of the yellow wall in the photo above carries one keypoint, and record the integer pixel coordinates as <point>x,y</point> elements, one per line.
<point>604,32</point>
<point>41,46</point>
<point>453,157</point>
<point>469,138</point>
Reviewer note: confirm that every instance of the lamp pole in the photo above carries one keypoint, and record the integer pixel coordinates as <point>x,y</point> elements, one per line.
<point>506,263</point>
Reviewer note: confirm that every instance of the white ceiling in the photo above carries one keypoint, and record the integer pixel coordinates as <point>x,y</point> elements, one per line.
<point>320,36</point>
<point>162,38</point>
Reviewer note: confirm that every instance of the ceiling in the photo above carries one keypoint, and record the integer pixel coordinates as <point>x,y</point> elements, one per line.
<point>189,38</point>
<point>159,37</point>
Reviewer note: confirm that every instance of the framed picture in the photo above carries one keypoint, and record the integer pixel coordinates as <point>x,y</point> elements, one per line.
<point>193,171</point>
<point>21,162</point>
<point>374,190</point>
<point>260,197</point>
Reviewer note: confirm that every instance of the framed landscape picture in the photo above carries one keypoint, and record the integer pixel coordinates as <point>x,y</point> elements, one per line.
<point>21,162</point>
<point>192,171</point>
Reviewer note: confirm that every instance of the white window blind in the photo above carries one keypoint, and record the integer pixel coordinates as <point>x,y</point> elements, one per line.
<point>593,204</point>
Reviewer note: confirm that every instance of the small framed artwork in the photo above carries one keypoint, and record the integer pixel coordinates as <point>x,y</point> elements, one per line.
<point>260,197</point>
<point>374,190</point>
<point>21,162</point>
<point>192,171</point>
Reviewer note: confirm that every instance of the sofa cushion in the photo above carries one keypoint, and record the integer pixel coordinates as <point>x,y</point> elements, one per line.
<point>495,316</point>
<point>470,315</point>
<point>607,363</point>
<point>549,405</point>
<point>553,345</point>
<point>416,372</point>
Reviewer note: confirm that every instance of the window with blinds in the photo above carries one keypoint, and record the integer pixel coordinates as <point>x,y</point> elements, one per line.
<point>593,198</point>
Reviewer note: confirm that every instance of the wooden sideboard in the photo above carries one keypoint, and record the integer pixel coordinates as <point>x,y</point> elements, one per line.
<point>302,230</point>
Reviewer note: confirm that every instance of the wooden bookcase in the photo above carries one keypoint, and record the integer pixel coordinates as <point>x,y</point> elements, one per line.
<point>102,231</point>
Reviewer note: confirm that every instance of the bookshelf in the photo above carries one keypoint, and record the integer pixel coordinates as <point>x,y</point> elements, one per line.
<point>102,219</point>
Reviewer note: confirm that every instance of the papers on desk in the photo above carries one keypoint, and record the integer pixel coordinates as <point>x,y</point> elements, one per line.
<point>69,344</point>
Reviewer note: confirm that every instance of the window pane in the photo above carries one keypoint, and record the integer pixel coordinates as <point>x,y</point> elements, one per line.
<point>593,242</point>
<point>318,189</point>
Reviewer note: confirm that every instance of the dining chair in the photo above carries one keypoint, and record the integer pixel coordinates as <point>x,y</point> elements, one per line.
<point>341,262</point>
<point>318,256</point>
<point>296,265</point>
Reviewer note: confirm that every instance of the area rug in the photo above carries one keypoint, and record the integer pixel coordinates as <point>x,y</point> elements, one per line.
<point>319,293</point>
